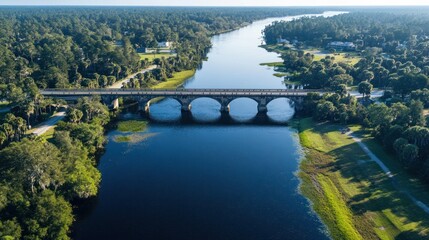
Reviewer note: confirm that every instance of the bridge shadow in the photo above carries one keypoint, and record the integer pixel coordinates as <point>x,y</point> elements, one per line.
<point>187,118</point>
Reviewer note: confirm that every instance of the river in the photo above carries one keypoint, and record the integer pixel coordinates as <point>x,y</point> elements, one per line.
<point>201,176</point>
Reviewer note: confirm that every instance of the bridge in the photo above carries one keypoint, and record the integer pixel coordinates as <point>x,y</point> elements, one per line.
<point>184,96</point>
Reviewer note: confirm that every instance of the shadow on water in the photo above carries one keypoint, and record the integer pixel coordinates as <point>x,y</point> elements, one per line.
<point>188,118</point>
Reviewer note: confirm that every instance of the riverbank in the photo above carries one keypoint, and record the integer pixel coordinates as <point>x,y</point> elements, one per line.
<point>178,79</point>
<point>350,192</point>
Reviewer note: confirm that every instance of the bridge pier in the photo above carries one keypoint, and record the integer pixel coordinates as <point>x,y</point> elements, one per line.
<point>186,104</point>
<point>112,102</point>
<point>224,108</point>
<point>144,105</point>
<point>186,107</point>
<point>262,105</point>
<point>298,104</point>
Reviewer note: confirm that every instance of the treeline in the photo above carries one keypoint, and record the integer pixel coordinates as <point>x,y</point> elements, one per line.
<point>394,55</point>
<point>374,69</point>
<point>393,45</point>
<point>82,47</point>
<point>39,179</point>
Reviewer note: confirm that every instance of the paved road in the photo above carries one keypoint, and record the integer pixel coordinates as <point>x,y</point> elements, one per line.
<point>48,124</point>
<point>120,83</point>
<point>389,174</point>
<point>374,94</point>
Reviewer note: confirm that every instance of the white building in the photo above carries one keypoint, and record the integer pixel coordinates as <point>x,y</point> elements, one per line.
<point>164,44</point>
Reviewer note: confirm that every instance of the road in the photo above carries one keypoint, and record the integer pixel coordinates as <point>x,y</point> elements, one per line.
<point>120,83</point>
<point>386,170</point>
<point>376,93</point>
<point>48,124</point>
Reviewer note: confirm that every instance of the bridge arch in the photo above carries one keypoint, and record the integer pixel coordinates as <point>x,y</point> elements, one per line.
<point>246,105</point>
<point>280,109</point>
<point>211,99</point>
<point>145,103</point>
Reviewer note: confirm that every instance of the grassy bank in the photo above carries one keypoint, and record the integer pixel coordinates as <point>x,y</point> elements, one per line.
<point>350,193</point>
<point>177,80</point>
<point>151,56</point>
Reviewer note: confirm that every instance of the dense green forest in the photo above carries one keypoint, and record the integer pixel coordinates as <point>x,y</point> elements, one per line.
<point>82,47</point>
<point>394,50</point>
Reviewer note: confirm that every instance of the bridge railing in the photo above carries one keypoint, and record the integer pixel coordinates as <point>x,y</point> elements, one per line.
<point>89,90</point>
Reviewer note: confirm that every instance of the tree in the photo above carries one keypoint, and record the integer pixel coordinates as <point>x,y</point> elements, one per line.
<point>365,88</point>
<point>379,114</point>
<point>51,217</point>
<point>81,176</point>
<point>325,110</point>
<point>416,114</point>
<point>399,145</point>
<point>74,115</point>
<point>38,163</point>
<point>409,155</point>
<point>401,114</point>
<point>10,229</point>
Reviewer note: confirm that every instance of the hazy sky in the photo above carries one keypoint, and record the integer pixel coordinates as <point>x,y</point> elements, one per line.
<point>216,2</point>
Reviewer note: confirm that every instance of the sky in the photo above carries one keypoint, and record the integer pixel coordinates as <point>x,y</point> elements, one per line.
<point>219,2</point>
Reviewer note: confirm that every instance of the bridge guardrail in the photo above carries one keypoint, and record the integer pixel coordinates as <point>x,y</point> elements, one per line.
<point>101,90</point>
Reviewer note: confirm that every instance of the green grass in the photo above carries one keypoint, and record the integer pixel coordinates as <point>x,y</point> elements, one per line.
<point>350,193</point>
<point>415,186</point>
<point>349,57</point>
<point>151,56</point>
<point>132,126</point>
<point>177,80</point>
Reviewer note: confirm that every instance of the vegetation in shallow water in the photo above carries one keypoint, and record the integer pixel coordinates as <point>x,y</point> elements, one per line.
<point>132,126</point>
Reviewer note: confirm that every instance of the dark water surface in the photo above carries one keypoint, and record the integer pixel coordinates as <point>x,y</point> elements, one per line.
<point>207,176</point>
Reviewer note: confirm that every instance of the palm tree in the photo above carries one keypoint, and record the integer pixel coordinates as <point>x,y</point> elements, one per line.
<point>8,130</point>
<point>29,110</point>
<point>3,138</point>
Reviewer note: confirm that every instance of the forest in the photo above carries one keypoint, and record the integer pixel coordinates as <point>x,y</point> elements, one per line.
<point>394,56</point>
<point>82,47</point>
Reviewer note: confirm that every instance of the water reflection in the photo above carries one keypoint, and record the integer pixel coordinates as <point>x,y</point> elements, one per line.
<point>207,110</point>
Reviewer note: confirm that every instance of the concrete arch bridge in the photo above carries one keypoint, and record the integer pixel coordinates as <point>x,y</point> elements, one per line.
<point>184,96</point>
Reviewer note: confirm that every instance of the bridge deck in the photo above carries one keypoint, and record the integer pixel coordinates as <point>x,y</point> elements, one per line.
<point>178,92</point>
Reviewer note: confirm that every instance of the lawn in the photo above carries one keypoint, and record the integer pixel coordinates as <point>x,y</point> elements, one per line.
<point>349,57</point>
<point>177,80</point>
<point>350,193</point>
<point>151,56</point>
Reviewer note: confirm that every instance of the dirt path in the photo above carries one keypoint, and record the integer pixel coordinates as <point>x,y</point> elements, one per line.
<point>389,174</point>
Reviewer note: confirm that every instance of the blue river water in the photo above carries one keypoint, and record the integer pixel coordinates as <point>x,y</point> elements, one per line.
<point>206,175</point>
